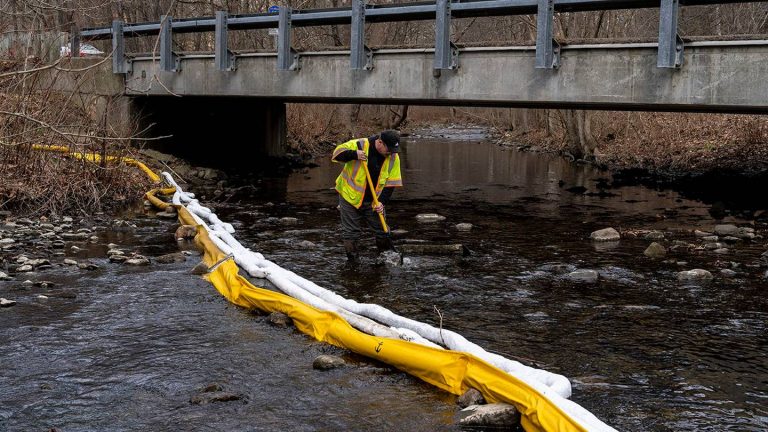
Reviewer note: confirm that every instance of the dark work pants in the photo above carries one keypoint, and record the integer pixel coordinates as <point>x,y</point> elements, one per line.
<point>352,220</point>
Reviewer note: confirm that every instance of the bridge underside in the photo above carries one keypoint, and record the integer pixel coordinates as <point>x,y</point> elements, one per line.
<point>715,77</point>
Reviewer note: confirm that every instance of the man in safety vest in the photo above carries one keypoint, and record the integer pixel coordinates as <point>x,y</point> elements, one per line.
<point>380,152</point>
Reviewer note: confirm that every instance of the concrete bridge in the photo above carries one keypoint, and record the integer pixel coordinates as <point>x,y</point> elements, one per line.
<point>224,87</point>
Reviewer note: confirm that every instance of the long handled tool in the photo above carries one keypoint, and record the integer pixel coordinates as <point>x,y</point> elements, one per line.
<point>375,198</point>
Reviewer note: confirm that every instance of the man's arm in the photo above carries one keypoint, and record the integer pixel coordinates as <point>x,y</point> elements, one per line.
<point>346,156</point>
<point>386,194</point>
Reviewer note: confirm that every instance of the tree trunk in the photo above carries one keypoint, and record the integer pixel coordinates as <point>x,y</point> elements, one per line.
<point>398,117</point>
<point>578,134</point>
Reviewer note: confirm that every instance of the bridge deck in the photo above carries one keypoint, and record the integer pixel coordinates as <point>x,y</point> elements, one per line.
<point>725,76</point>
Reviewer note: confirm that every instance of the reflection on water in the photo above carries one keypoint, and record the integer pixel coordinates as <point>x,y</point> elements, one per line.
<point>645,352</point>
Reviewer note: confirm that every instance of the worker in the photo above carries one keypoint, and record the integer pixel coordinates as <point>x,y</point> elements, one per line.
<point>380,152</point>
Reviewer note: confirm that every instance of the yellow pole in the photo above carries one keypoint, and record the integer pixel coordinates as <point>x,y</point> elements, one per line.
<point>375,198</point>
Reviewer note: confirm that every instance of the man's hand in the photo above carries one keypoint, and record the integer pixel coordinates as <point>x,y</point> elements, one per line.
<point>361,155</point>
<point>379,208</point>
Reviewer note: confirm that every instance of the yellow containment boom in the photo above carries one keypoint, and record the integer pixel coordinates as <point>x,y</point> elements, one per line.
<point>452,371</point>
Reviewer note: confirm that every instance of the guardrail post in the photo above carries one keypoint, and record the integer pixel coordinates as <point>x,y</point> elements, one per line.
<point>361,57</point>
<point>169,61</point>
<point>287,57</point>
<point>547,49</point>
<point>446,53</point>
<point>670,43</point>
<point>74,42</point>
<point>119,63</point>
<point>225,59</point>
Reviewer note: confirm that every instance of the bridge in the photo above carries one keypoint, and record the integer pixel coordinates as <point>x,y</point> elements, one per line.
<point>669,74</point>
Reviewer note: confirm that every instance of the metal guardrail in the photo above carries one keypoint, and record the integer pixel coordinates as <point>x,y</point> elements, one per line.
<point>670,45</point>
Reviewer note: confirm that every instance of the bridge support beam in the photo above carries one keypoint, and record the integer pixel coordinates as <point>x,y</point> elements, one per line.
<point>361,57</point>
<point>670,43</point>
<point>119,63</point>
<point>547,49</point>
<point>169,61</point>
<point>287,57</point>
<point>446,53</point>
<point>225,59</point>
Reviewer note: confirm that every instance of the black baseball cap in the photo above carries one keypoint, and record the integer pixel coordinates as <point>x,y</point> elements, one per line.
<point>391,139</point>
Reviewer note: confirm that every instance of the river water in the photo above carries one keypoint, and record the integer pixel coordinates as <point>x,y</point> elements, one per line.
<point>644,351</point>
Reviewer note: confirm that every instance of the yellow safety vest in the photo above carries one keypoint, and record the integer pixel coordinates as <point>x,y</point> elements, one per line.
<point>351,183</point>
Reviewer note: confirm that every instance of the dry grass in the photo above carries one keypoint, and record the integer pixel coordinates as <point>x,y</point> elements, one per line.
<point>44,183</point>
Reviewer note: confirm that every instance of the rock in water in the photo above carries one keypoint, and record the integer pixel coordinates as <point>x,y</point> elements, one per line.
<point>185,232</point>
<point>429,217</point>
<point>464,227</point>
<point>200,269</point>
<point>726,230</point>
<point>177,257</point>
<point>469,398</point>
<point>491,415</point>
<point>280,319</point>
<point>583,275</point>
<point>7,303</point>
<point>655,250</point>
<point>605,235</point>
<point>326,362</point>
<point>137,260</point>
<point>694,275</point>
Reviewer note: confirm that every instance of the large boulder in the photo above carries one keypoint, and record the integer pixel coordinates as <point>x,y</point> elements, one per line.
<point>605,235</point>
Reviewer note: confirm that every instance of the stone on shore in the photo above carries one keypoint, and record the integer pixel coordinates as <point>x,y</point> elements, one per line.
<point>327,362</point>
<point>700,234</point>
<point>469,398</point>
<point>605,235</point>
<point>655,250</point>
<point>498,415</point>
<point>694,275</point>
